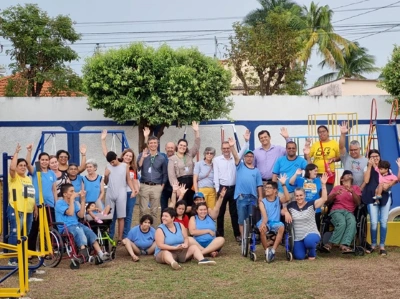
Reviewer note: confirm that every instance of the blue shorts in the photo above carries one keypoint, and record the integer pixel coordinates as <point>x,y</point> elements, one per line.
<point>272,226</point>
<point>204,244</point>
<point>82,235</point>
<point>244,204</point>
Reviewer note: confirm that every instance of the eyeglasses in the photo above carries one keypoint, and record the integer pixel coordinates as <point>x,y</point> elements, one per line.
<point>374,156</point>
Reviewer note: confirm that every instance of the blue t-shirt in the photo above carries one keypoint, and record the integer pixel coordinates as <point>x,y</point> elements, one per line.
<point>312,188</point>
<point>206,223</point>
<point>170,238</point>
<point>247,180</point>
<point>77,183</point>
<point>284,165</point>
<point>92,188</point>
<point>273,209</point>
<point>48,179</point>
<point>142,240</point>
<point>61,207</point>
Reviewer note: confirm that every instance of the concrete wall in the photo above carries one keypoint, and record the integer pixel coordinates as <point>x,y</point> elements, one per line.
<point>348,87</point>
<point>23,119</point>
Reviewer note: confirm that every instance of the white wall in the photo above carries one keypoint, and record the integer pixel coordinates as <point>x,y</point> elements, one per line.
<point>271,112</point>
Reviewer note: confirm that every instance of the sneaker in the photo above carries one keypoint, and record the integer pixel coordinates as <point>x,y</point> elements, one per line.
<point>35,279</point>
<point>269,255</point>
<point>105,256</point>
<point>376,203</point>
<point>206,262</point>
<point>39,272</point>
<point>98,220</point>
<point>14,264</point>
<point>238,239</point>
<point>143,252</point>
<point>175,265</point>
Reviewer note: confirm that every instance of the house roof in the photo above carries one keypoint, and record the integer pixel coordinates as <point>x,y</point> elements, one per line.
<point>345,79</point>
<point>45,92</point>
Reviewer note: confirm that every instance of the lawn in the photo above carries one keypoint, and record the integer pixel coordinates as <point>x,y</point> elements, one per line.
<point>330,276</point>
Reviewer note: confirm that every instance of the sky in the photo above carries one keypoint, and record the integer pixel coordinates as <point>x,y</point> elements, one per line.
<point>374,24</point>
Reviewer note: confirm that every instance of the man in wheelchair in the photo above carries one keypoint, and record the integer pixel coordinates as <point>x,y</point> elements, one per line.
<point>270,209</point>
<point>69,212</point>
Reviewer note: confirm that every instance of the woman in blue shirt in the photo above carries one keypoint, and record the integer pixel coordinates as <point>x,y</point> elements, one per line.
<point>172,243</point>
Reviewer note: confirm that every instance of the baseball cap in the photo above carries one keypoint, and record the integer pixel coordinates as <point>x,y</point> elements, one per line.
<point>198,194</point>
<point>248,152</point>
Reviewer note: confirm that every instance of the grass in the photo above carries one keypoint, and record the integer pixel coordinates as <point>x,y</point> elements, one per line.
<point>330,276</point>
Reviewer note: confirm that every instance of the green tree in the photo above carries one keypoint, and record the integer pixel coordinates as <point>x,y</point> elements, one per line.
<point>40,45</point>
<point>391,74</point>
<point>260,14</point>
<point>269,50</point>
<point>318,31</point>
<point>357,62</point>
<point>157,87</point>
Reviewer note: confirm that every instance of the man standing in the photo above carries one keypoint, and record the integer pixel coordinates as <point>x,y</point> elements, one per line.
<point>248,185</point>
<point>266,155</point>
<point>353,161</point>
<point>225,177</point>
<point>154,175</point>
<point>288,165</point>
<point>167,191</point>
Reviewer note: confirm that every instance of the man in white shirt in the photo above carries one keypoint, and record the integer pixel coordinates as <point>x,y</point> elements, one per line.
<point>225,176</point>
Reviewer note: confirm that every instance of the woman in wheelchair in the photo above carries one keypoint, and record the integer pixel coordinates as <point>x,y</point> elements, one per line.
<point>270,208</point>
<point>302,214</point>
<point>345,197</point>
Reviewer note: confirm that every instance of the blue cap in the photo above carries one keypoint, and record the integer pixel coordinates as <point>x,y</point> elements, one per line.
<point>198,194</point>
<point>248,152</point>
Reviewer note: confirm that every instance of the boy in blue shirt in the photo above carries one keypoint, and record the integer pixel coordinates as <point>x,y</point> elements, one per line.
<point>270,208</point>
<point>68,211</point>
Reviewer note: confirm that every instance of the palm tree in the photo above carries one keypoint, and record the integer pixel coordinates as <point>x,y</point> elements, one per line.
<point>258,15</point>
<point>318,31</point>
<point>356,63</point>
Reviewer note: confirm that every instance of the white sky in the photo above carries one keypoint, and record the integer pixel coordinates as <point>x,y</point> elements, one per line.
<point>222,13</point>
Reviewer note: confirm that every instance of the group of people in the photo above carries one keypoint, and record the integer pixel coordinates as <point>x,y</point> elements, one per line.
<point>193,196</point>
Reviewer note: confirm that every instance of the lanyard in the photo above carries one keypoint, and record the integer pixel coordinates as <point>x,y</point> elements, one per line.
<point>152,158</point>
<point>184,159</point>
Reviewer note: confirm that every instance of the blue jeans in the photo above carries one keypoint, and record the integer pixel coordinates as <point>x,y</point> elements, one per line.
<point>12,238</point>
<point>381,214</point>
<point>244,204</point>
<point>309,243</point>
<point>130,205</point>
<point>83,236</point>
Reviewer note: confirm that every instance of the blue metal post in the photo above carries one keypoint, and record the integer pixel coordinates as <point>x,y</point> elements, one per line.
<point>5,197</point>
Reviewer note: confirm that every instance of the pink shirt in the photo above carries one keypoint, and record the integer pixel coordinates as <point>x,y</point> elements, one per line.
<point>387,179</point>
<point>345,200</point>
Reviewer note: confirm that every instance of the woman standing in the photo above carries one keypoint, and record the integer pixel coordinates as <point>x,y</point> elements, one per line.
<point>94,185</point>
<point>172,243</point>
<point>21,183</point>
<point>302,214</point>
<point>62,177</point>
<point>203,177</point>
<point>48,189</point>
<point>63,157</point>
<point>325,153</point>
<point>180,165</point>
<point>377,213</point>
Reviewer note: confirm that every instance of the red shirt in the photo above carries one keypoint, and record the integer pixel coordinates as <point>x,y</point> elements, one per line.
<point>184,221</point>
<point>345,200</point>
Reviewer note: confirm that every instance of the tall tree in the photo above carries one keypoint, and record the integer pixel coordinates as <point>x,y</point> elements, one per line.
<point>40,44</point>
<point>357,62</point>
<point>157,87</point>
<point>318,31</point>
<point>391,74</point>
<point>259,15</point>
<point>269,50</point>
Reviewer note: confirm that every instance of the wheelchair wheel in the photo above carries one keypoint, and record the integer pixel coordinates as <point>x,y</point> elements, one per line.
<point>359,251</point>
<point>113,253</point>
<point>74,265</point>
<point>245,238</point>
<point>53,260</point>
<point>362,231</point>
<point>253,256</point>
<point>289,256</point>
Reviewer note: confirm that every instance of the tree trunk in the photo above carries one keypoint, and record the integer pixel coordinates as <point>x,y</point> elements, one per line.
<point>39,87</point>
<point>242,78</point>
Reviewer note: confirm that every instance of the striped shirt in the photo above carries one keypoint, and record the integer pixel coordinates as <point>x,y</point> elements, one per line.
<point>303,219</point>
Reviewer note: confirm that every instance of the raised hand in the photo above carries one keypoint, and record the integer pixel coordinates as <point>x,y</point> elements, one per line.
<point>146,132</point>
<point>246,135</point>
<point>282,178</point>
<point>324,178</point>
<point>18,148</point>
<point>306,150</point>
<point>231,141</point>
<point>371,162</point>
<point>182,189</point>
<point>299,171</point>
<point>195,126</point>
<point>284,133</point>
<point>222,193</point>
<point>83,149</point>
<point>398,162</point>
<point>145,153</point>
<point>29,147</point>
<point>175,186</point>
<point>308,142</point>
<point>104,135</point>
<point>344,128</point>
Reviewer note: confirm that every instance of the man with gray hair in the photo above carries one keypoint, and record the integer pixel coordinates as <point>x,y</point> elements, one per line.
<point>353,160</point>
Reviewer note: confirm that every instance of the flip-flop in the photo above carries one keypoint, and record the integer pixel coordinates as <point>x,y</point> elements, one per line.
<point>383,252</point>
<point>327,247</point>
<point>370,250</point>
<point>345,249</point>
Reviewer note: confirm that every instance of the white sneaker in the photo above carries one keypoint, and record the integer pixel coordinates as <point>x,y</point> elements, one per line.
<point>14,264</point>
<point>105,256</point>
<point>39,272</point>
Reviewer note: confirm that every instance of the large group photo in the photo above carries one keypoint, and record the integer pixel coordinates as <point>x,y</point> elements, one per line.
<point>155,170</point>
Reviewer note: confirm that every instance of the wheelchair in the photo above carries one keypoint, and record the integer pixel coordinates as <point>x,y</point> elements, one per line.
<point>251,236</point>
<point>359,243</point>
<point>107,244</point>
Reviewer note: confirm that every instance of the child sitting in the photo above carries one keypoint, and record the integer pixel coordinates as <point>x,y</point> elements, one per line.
<point>92,210</point>
<point>385,177</point>
<point>68,211</point>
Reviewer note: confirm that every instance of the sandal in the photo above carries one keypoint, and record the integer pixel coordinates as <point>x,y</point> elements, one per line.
<point>368,251</point>
<point>327,247</point>
<point>345,249</point>
<point>383,252</point>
